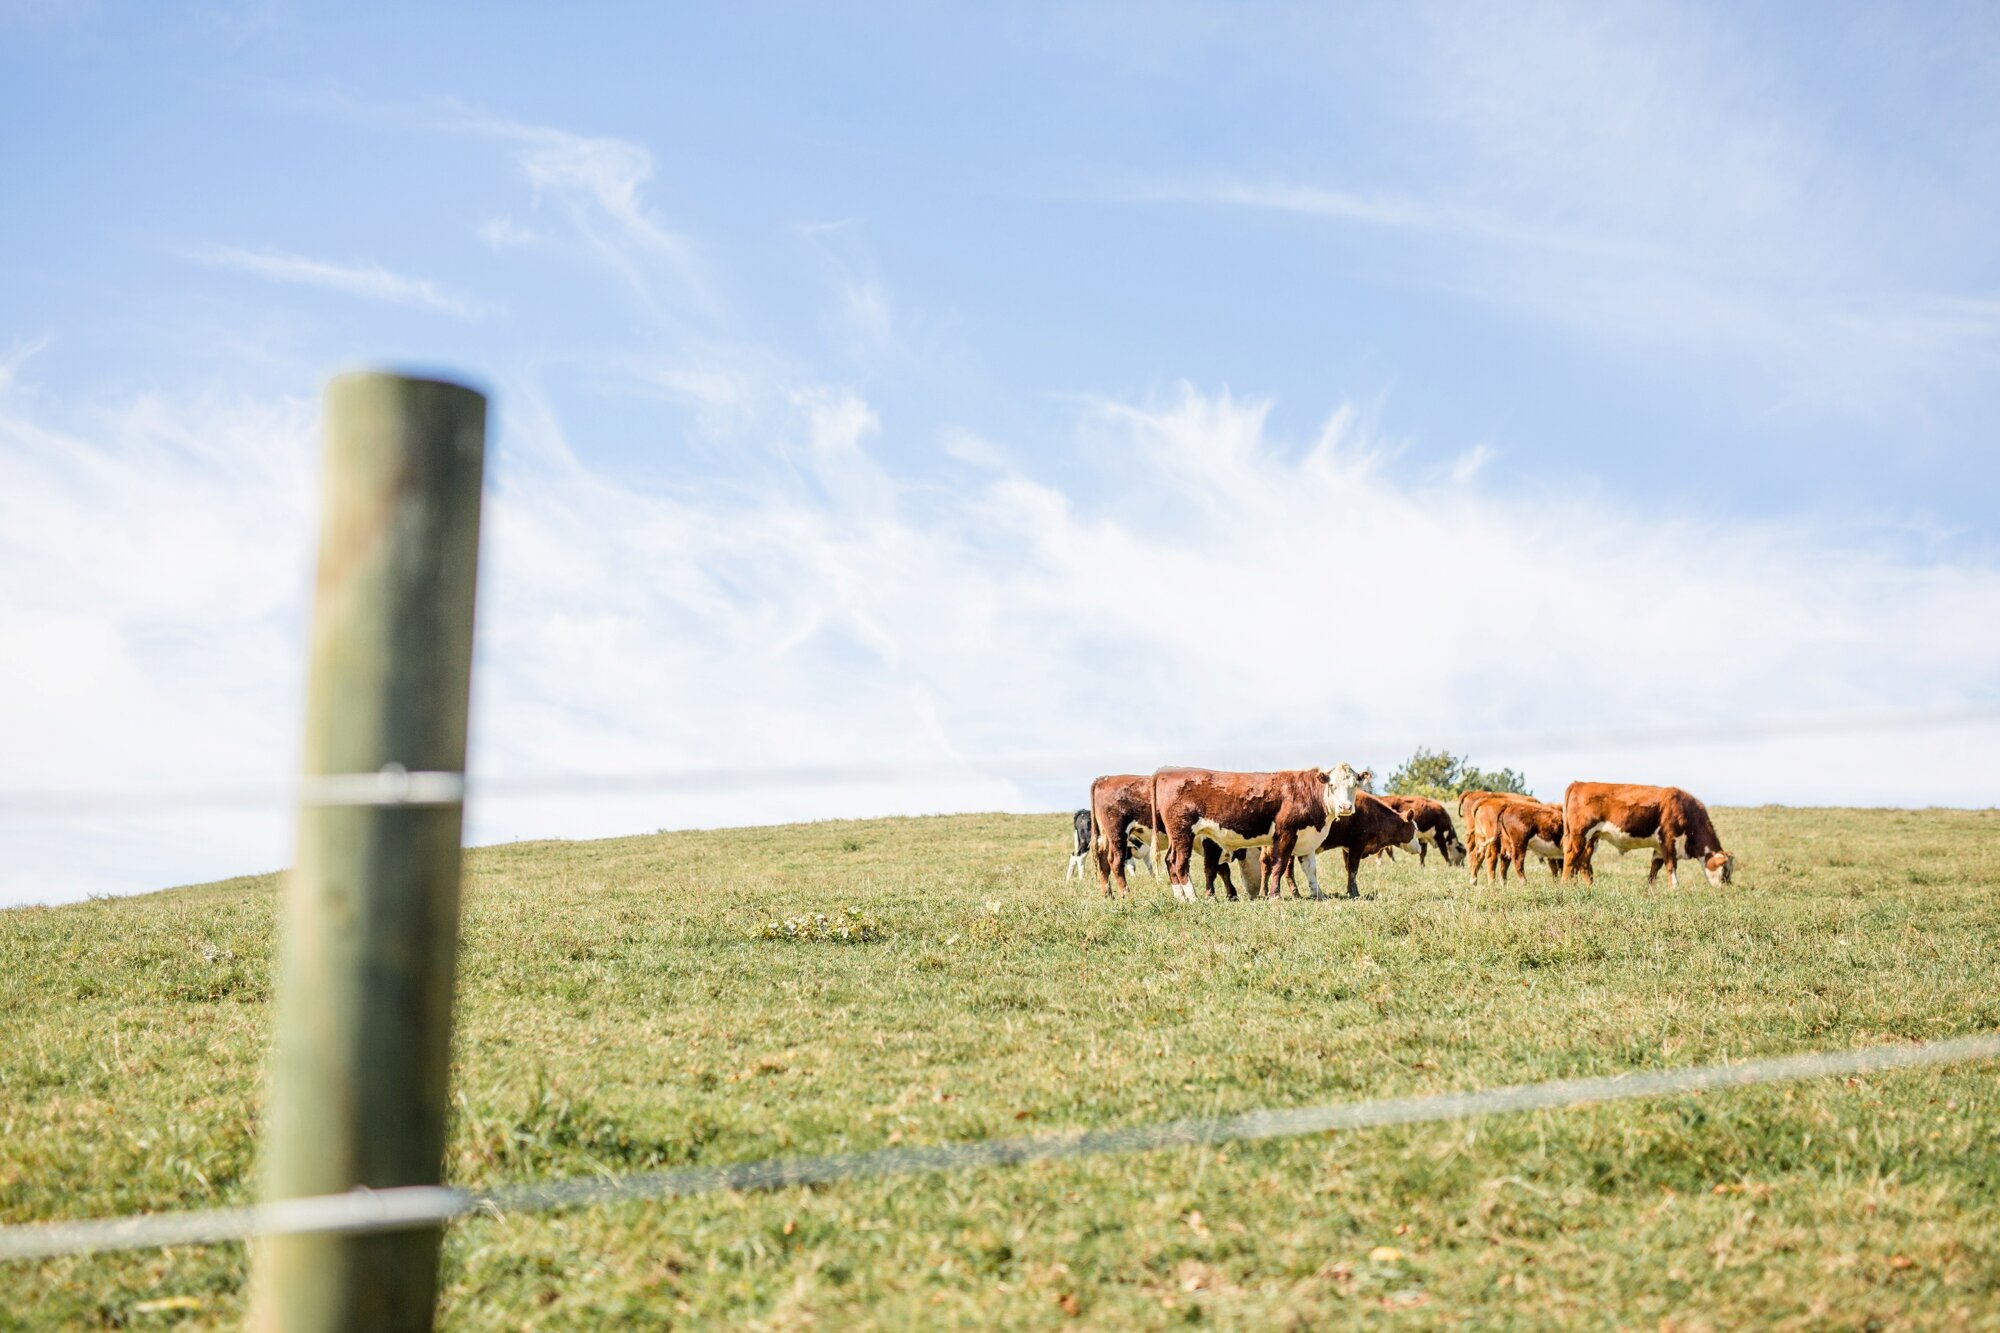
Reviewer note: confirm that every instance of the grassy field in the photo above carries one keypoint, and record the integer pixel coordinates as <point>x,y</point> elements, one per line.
<point>617,1013</point>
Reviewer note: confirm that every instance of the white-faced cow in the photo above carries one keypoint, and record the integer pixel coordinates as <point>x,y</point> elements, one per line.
<point>1668,820</point>
<point>1434,827</point>
<point>1290,812</point>
<point>1121,807</point>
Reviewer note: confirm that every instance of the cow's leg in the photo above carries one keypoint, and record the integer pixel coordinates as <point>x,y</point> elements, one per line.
<point>1246,861</point>
<point>1353,873</point>
<point>1213,863</point>
<point>1555,867</point>
<point>1670,836</point>
<point>1278,865</point>
<point>1180,852</point>
<point>1311,860</point>
<point>1577,851</point>
<point>1423,852</point>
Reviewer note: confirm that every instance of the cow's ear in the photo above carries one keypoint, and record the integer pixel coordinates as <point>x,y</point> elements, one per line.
<point>1365,776</point>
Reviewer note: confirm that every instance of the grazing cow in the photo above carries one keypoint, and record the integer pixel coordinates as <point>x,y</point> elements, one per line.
<point>1434,827</point>
<point>1289,812</point>
<point>1121,806</point>
<point>1530,828</point>
<point>1480,811</point>
<point>1668,820</point>
<point>1482,836</point>
<point>1374,825</point>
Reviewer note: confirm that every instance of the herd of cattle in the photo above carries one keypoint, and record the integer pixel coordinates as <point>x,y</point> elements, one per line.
<point>1267,824</point>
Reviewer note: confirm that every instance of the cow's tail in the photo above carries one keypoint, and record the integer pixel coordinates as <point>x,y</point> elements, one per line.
<point>1155,823</point>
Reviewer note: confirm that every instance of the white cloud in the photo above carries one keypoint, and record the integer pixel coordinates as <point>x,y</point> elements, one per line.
<point>152,564</point>
<point>1196,590</point>
<point>370,282</point>
<point>597,182</point>
<point>503,233</point>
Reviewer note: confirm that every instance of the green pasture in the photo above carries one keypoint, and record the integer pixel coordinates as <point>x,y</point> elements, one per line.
<point>620,1010</point>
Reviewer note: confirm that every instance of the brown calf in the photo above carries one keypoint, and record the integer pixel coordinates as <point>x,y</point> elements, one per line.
<point>1481,812</point>
<point>1530,828</point>
<point>1374,825</point>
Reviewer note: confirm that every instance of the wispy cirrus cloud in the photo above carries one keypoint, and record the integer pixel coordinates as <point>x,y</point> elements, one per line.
<point>369,282</point>
<point>597,181</point>
<point>1645,177</point>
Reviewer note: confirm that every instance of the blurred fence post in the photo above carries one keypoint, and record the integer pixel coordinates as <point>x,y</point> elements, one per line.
<point>369,940</point>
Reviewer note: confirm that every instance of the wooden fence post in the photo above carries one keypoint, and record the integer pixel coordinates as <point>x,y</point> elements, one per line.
<point>369,941</point>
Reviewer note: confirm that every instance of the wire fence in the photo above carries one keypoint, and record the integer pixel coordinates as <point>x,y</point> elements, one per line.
<point>362,1210</point>
<point>407,1207</point>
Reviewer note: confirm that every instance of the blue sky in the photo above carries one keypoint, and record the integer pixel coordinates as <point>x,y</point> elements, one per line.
<point>930,382</point>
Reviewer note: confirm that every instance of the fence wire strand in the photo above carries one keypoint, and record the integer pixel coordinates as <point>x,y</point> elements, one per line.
<point>408,1207</point>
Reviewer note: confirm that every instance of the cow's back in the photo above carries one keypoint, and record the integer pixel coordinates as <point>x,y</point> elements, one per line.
<point>1633,808</point>
<point>1375,824</point>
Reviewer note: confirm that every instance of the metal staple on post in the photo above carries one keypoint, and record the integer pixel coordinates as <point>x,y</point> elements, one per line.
<point>370,933</point>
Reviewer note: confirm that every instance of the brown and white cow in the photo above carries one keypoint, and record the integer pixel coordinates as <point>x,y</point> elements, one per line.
<point>1374,826</point>
<point>1434,826</point>
<point>1481,812</point>
<point>1668,820</point>
<point>1530,828</point>
<point>1289,812</point>
<point>1121,806</point>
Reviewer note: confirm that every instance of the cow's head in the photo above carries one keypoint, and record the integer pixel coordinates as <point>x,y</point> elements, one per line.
<point>1717,865</point>
<point>1448,843</point>
<point>1338,785</point>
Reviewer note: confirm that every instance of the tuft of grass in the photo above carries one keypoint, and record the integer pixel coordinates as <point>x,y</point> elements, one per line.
<point>619,1012</point>
<point>852,926</point>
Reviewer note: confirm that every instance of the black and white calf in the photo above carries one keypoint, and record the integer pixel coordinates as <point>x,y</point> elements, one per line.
<point>1137,847</point>
<point>1081,856</point>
